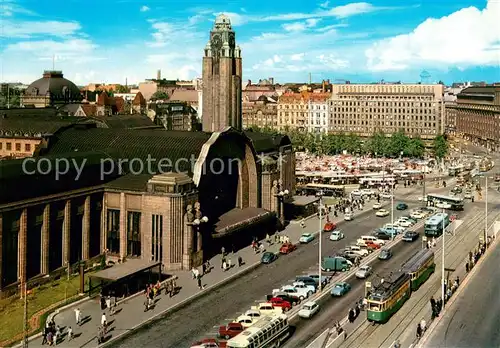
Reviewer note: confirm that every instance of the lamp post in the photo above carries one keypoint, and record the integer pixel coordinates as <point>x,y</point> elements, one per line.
<point>281,209</point>
<point>199,238</point>
<point>320,279</point>
<point>442,266</point>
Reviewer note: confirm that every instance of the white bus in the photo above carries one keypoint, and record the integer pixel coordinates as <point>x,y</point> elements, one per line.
<point>436,224</point>
<point>268,332</point>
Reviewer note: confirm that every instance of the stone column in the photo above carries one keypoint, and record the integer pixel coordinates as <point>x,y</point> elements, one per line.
<point>22,247</point>
<point>66,233</point>
<point>123,226</point>
<point>1,250</point>
<point>187,253</point>
<point>45,240</point>
<point>199,236</point>
<point>86,229</point>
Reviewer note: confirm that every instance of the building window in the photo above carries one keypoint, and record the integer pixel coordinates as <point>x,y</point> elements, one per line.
<point>18,147</point>
<point>133,233</point>
<point>9,146</point>
<point>113,232</point>
<point>157,238</point>
<point>27,147</point>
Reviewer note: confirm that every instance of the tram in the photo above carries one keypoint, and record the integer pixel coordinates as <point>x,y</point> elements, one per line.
<point>386,298</point>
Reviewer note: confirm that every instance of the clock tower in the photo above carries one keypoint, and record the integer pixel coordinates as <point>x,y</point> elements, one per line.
<point>222,79</point>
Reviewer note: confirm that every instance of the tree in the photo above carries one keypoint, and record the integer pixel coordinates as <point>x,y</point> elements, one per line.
<point>159,95</point>
<point>378,144</point>
<point>398,143</point>
<point>415,148</point>
<point>352,143</point>
<point>440,147</point>
<point>122,89</point>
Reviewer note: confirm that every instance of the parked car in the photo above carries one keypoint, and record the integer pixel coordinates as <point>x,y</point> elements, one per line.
<point>382,213</point>
<point>209,343</point>
<point>324,279</point>
<point>377,206</point>
<point>371,246</point>
<point>287,248</point>
<point>348,216</point>
<point>382,235</point>
<point>385,254</point>
<point>357,249</point>
<point>245,321</point>
<point>398,229</point>
<point>253,313</point>
<point>279,302</point>
<point>285,297</point>
<point>329,227</point>
<point>230,330</point>
<point>417,214</point>
<point>404,222</point>
<point>309,309</point>
<point>363,272</point>
<point>410,236</point>
<point>267,308</point>
<point>402,206</point>
<point>310,288</point>
<point>306,238</point>
<point>268,257</point>
<point>408,217</point>
<point>301,293</point>
<point>307,280</point>
<point>340,289</point>
<point>336,235</point>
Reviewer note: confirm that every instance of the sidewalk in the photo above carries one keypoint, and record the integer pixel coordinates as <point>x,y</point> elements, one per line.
<point>130,312</point>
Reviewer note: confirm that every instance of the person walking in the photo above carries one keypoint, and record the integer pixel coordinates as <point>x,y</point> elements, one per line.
<point>423,325</point>
<point>419,331</point>
<point>70,333</point>
<point>200,285</point>
<point>44,335</point>
<point>78,316</point>
<point>108,303</point>
<point>103,321</point>
<point>224,266</point>
<point>240,261</point>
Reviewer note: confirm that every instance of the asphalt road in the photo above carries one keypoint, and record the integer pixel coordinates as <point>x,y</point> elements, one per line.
<point>201,318</point>
<point>473,319</point>
<point>336,309</point>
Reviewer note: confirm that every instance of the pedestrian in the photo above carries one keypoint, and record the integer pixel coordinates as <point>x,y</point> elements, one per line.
<point>193,272</point>
<point>467,267</point>
<point>200,285</point>
<point>350,316</point>
<point>457,280</point>
<point>419,331</point>
<point>433,242</point>
<point>103,319</point>
<point>223,251</point>
<point>262,248</point>
<point>228,263</point>
<point>44,336</point>
<point>423,325</point>
<point>224,266</point>
<point>276,237</point>
<point>50,338</point>
<point>70,333</point>
<point>108,303</point>
<point>208,267</point>
<point>433,303</point>
<point>78,316</point>
<point>240,261</point>
<point>268,239</point>
<point>57,334</point>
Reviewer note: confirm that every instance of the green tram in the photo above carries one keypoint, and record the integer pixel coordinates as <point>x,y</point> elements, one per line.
<point>386,298</point>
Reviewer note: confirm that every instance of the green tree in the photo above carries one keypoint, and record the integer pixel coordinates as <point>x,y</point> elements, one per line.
<point>378,144</point>
<point>415,148</point>
<point>352,143</point>
<point>159,95</point>
<point>440,147</point>
<point>122,89</point>
<point>398,143</point>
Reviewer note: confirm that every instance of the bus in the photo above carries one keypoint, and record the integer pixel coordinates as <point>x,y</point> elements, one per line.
<point>455,170</point>
<point>452,203</point>
<point>269,331</point>
<point>420,267</point>
<point>436,224</point>
<point>386,298</point>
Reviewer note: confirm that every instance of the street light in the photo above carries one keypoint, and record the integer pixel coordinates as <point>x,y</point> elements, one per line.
<point>281,210</point>
<point>320,279</point>
<point>442,265</point>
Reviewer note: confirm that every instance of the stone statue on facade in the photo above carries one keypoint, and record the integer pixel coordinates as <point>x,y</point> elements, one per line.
<point>189,216</point>
<point>188,227</point>
<point>275,189</point>
<point>197,211</point>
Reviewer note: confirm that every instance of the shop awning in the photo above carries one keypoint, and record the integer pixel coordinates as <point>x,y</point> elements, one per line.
<point>237,219</point>
<point>123,270</point>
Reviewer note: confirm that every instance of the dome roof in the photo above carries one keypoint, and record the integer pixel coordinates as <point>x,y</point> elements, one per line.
<point>53,82</point>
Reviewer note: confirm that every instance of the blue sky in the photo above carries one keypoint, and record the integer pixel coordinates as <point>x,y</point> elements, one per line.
<point>110,41</point>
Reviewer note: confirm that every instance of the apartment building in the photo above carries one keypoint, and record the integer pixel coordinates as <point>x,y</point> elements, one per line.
<point>262,113</point>
<point>363,109</point>
<point>476,115</point>
<point>304,111</point>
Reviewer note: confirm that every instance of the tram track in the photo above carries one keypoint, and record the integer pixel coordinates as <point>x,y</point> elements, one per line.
<point>366,333</point>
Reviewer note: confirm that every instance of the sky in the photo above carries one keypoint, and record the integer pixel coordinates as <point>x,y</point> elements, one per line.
<point>115,41</point>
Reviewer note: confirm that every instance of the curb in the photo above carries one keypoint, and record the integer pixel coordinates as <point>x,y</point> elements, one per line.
<point>461,288</point>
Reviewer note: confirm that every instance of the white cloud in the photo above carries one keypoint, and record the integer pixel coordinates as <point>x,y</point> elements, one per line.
<point>332,62</point>
<point>296,26</point>
<point>324,4</point>
<point>172,33</point>
<point>351,9</point>
<point>464,38</point>
<point>144,9</point>
<point>331,27</point>
<point>9,8</point>
<point>297,57</point>
<point>312,22</point>
<point>38,28</point>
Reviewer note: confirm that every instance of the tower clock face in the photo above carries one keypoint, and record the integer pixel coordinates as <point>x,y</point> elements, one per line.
<point>231,40</point>
<point>216,42</point>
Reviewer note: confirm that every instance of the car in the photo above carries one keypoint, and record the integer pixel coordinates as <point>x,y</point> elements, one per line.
<point>340,289</point>
<point>385,254</point>
<point>253,313</point>
<point>351,255</point>
<point>382,235</point>
<point>308,310</point>
<point>410,236</point>
<point>385,195</point>
<point>268,257</point>
<point>306,238</point>
<point>456,190</point>
<point>348,216</point>
<point>245,321</point>
<point>372,246</point>
<point>408,217</point>
<point>363,272</point>
<point>404,222</point>
<point>310,288</point>
<point>266,308</point>
<point>230,330</point>
<point>300,293</point>
<point>359,250</point>
<point>336,235</point>
<point>279,302</point>
<point>417,214</point>
<point>285,297</point>
<point>391,231</point>
<point>287,248</point>
<point>377,206</point>
<point>324,279</point>
<point>402,206</point>
<point>382,213</point>
<point>398,229</point>
<point>209,343</point>
<point>329,227</point>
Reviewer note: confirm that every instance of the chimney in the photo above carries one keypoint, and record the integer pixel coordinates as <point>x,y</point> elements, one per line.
<point>271,80</point>
<point>158,74</point>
